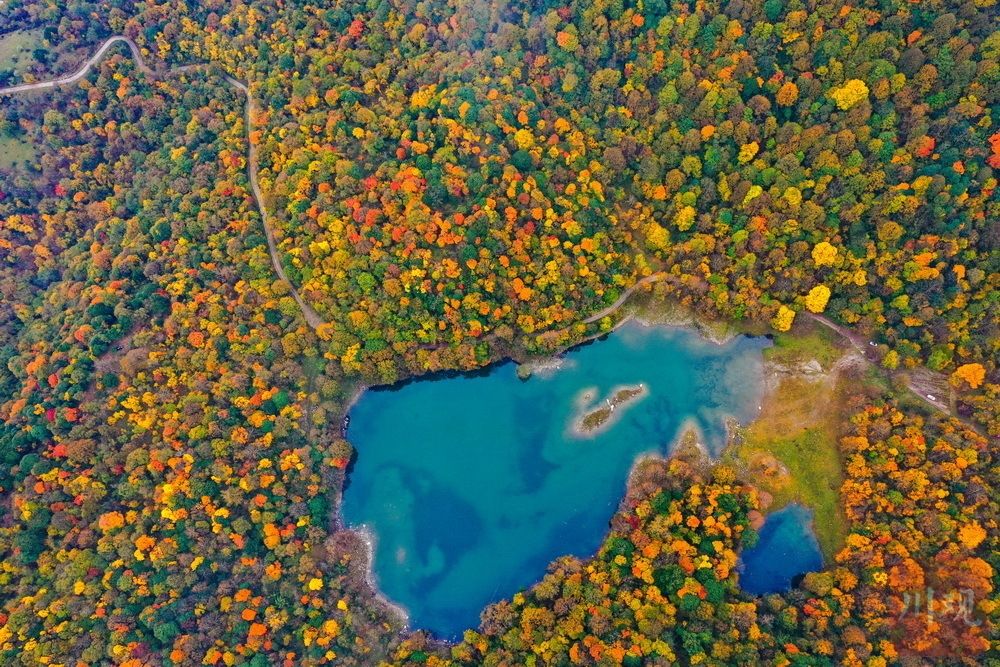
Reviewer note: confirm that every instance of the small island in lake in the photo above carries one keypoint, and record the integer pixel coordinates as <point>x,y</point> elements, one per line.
<point>591,421</point>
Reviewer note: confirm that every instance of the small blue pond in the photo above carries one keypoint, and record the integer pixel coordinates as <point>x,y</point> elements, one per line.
<point>470,485</point>
<point>787,549</point>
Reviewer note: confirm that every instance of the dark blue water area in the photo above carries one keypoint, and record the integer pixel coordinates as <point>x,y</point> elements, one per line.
<point>787,549</point>
<point>471,485</point>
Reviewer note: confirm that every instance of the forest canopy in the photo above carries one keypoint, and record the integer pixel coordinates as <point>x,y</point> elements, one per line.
<point>449,183</point>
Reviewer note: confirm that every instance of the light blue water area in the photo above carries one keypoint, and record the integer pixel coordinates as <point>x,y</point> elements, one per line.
<point>787,549</point>
<point>471,485</point>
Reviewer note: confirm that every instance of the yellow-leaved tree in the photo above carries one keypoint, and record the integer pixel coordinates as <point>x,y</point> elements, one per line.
<point>973,374</point>
<point>782,321</point>
<point>971,535</point>
<point>824,254</point>
<point>748,151</point>
<point>657,236</point>
<point>817,298</point>
<point>850,93</point>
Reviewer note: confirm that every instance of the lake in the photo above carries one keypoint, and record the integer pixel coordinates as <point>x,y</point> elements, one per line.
<point>470,485</point>
<point>787,548</point>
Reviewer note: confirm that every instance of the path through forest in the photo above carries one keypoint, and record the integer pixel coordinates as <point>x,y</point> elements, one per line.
<point>642,282</point>
<point>931,388</point>
<point>311,316</point>
<point>865,348</point>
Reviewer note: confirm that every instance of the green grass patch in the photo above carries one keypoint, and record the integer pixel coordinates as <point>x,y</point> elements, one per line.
<point>17,49</point>
<point>15,151</point>
<point>814,478</point>
<point>792,452</point>
<point>816,342</point>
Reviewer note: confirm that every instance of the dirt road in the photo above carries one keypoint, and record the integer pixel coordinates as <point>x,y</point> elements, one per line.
<point>312,318</point>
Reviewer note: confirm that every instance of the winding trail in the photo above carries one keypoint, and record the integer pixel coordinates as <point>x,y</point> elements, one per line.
<point>857,341</point>
<point>919,386</point>
<point>312,318</point>
<point>626,295</point>
<point>921,383</point>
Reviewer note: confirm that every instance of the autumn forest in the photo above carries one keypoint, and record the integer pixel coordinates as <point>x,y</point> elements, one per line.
<point>209,246</point>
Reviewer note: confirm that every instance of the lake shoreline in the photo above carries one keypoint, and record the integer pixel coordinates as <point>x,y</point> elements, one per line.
<point>547,364</point>
<point>553,362</point>
<point>668,315</point>
<point>369,538</point>
<point>424,470</point>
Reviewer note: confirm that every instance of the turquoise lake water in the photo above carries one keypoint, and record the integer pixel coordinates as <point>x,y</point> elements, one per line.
<point>787,548</point>
<point>470,485</point>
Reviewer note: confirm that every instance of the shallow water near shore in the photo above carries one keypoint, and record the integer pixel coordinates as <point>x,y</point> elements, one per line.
<point>472,484</point>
